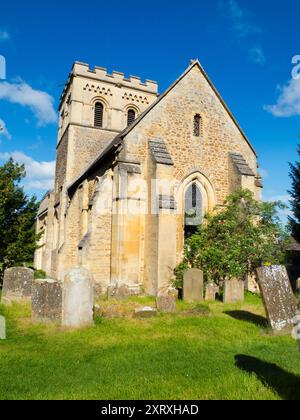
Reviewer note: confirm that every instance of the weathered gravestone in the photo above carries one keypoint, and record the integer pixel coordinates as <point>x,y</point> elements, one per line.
<point>46,301</point>
<point>234,291</point>
<point>166,303</point>
<point>211,291</point>
<point>296,330</point>
<point>2,328</point>
<point>278,297</point>
<point>17,285</point>
<point>146,312</point>
<point>77,299</point>
<point>193,285</point>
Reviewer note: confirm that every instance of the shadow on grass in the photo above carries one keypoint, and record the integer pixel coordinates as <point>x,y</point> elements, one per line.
<point>285,384</point>
<point>248,317</point>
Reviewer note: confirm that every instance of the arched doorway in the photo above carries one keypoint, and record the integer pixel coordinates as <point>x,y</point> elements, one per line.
<point>193,212</point>
<point>194,191</point>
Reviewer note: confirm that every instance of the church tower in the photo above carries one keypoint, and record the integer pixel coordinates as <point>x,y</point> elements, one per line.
<point>95,106</point>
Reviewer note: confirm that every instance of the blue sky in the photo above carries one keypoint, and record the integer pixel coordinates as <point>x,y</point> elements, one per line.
<point>245,46</point>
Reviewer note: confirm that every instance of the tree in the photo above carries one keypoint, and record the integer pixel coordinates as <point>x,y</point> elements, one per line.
<point>17,218</point>
<point>295,193</point>
<point>236,240</point>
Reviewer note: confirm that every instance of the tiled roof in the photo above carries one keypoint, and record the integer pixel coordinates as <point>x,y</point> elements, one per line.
<point>241,164</point>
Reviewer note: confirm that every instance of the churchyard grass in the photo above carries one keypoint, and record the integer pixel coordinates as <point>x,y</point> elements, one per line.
<point>211,351</point>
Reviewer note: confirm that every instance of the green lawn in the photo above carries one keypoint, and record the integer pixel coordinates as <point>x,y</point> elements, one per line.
<point>226,354</point>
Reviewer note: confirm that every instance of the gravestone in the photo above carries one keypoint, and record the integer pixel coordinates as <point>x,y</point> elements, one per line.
<point>117,292</point>
<point>278,297</point>
<point>296,329</point>
<point>2,328</point>
<point>211,290</point>
<point>17,285</point>
<point>166,303</point>
<point>46,301</point>
<point>251,284</point>
<point>77,299</point>
<point>234,291</point>
<point>193,285</point>
<point>146,312</point>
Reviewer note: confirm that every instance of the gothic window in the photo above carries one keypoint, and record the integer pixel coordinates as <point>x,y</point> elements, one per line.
<point>193,210</point>
<point>197,125</point>
<point>98,118</point>
<point>131,115</point>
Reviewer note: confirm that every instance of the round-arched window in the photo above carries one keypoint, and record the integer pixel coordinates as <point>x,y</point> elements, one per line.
<point>131,115</point>
<point>98,117</point>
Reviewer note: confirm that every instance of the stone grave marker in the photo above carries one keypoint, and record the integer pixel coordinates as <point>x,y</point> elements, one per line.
<point>234,291</point>
<point>211,290</point>
<point>279,300</point>
<point>46,301</point>
<point>146,312</point>
<point>166,303</point>
<point>77,299</point>
<point>2,328</point>
<point>17,285</point>
<point>193,285</point>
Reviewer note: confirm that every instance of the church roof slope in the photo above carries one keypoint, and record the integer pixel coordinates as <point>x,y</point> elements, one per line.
<point>118,139</point>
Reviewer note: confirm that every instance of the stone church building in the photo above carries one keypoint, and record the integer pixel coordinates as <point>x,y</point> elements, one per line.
<point>135,173</point>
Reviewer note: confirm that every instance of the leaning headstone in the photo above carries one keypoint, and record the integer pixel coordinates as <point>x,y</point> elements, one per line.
<point>166,303</point>
<point>46,301</point>
<point>211,291</point>
<point>234,291</point>
<point>77,299</point>
<point>2,328</point>
<point>278,297</point>
<point>17,285</point>
<point>193,285</point>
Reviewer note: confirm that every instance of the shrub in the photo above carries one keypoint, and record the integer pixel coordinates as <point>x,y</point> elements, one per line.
<point>236,240</point>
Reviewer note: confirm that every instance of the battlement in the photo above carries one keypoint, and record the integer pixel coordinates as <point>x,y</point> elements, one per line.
<point>117,78</point>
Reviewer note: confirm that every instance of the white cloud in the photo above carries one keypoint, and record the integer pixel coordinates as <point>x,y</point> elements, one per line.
<point>40,103</point>
<point>288,102</point>
<point>3,130</point>
<point>4,36</point>
<point>257,55</point>
<point>39,175</point>
<point>241,23</point>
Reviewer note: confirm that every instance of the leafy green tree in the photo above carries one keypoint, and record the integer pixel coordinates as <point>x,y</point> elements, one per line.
<point>235,240</point>
<point>295,193</point>
<point>17,218</point>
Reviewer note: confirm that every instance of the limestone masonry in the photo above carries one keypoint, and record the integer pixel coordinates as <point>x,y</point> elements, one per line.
<point>135,174</point>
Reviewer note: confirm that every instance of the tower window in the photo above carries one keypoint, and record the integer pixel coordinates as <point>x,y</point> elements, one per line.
<point>131,115</point>
<point>98,121</point>
<point>197,125</point>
